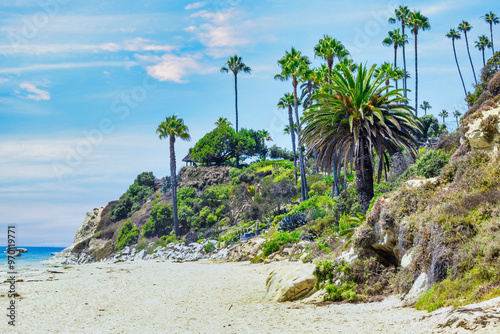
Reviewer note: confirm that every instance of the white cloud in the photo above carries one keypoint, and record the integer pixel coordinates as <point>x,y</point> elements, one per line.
<point>35,93</point>
<point>195,5</point>
<point>175,68</point>
<point>137,44</point>
<point>66,66</point>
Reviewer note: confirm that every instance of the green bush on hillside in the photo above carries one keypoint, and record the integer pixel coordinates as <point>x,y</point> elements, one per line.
<point>128,235</point>
<point>431,163</point>
<point>160,221</point>
<point>136,195</point>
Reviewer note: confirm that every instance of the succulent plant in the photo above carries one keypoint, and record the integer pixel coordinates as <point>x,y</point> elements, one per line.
<point>291,222</point>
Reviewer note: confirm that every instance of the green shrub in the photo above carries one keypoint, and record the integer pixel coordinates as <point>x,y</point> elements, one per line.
<point>128,235</point>
<point>274,245</point>
<point>160,221</point>
<point>136,195</point>
<point>431,163</point>
<point>209,247</point>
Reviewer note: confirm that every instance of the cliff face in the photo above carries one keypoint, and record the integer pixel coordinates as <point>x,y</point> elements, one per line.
<point>483,131</point>
<point>89,226</point>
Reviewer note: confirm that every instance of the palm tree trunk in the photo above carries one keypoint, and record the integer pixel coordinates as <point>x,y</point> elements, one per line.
<point>292,134</point>
<point>396,61</point>
<point>484,61</point>
<point>174,184</point>
<point>470,59</point>
<point>491,32</point>
<point>335,186</point>
<point>236,108</point>
<point>303,181</point>
<point>364,177</point>
<point>459,72</point>
<point>404,61</point>
<point>416,75</point>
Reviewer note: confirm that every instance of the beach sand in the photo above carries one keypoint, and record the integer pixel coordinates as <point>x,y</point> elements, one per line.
<point>195,297</point>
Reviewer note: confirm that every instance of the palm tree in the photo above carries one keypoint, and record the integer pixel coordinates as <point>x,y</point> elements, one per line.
<point>388,71</point>
<point>453,34</point>
<point>443,114</point>
<point>329,49</point>
<point>482,43</point>
<point>235,65</point>
<point>425,105</point>
<point>222,121</point>
<point>464,27</point>
<point>287,101</point>
<point>358,120</point>
<point>293,65</point>
<point>457,115</point>
<point>396,40</point>
<point>402,13</point>
<point>172,128</point>
<point>491,19</point>
<point>417,22</point>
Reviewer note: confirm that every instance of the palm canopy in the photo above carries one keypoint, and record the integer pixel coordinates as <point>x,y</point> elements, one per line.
<point>483,42</point>
<point>401,13</point>
<point>235,65</point>
<point>356,121</point>
<point>173,127</point>
<point>395,39</point>
<point>287,101</point>
<point>464,26</point>
<point>425,105</point>
<point>329,48</point>
<point>222,121</point>
<point>453,34</point>
<point>292,65</point>
<point>491,19</point>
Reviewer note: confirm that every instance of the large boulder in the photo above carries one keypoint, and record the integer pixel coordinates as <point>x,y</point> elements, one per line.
<point>89,226</point>
<point>420,286</point>
<point>246,250</point>
<point>483,132</point>
<point>290,282</point>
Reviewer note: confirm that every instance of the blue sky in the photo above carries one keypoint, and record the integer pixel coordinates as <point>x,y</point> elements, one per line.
<point>83,86</point>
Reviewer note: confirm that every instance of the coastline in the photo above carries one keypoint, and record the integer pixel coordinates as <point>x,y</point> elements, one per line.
<point>191,297</point>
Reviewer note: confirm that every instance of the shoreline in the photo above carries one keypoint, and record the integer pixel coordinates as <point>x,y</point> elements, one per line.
<point>189,297</point>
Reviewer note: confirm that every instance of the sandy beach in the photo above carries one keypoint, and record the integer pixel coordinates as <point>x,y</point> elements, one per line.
<point>195,297</point>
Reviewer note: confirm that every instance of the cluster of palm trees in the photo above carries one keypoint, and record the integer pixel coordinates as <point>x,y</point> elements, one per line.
<point>482,43</point>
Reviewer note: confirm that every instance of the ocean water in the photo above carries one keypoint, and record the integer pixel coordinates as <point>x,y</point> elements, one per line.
<point>33,259</point>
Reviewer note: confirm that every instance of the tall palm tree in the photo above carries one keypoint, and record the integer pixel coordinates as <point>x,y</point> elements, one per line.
<point>287,101</point>
<point>293,65</point>
<point>222,121</point>
<point>388,71</point>
<point>482,43</point>
<point>358,120</point>
<point>425,105</point>
<point>395,40</point>
<point>401,14</point>
<point>417,22</point>
<point>329,49</point>
<point>491,19</point>
<point>235,65</point>
<point>172,128</point>
<point>465,27</point>
<point>457,115</point>
<point>453,34</point>
<point>443,114</point>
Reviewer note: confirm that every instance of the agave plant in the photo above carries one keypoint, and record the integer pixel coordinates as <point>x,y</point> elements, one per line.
<point>291,222</point>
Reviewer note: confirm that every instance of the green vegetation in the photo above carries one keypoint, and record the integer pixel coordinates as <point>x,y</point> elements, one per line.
<point>275,244</point>
<point>128,235</point>
<point>160,221</point>
<point>136,195</point>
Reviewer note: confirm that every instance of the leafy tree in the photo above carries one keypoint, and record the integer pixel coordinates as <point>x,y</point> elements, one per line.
<point>425,105</point>
<point>430,128</point>
<point>173,128</point>
<point>293,65</point>
<point>276,152</point>
<point>466,27</point>
<point>135,196</point>
<point>396,40</point>
<point>482,43</point>
<point>453,34</point>
<point>356,121</point>
<point>402,14</point>
<point>417,22</point>
<point>287,101</point>
<point>491,19</point>
<point>278,193</point>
